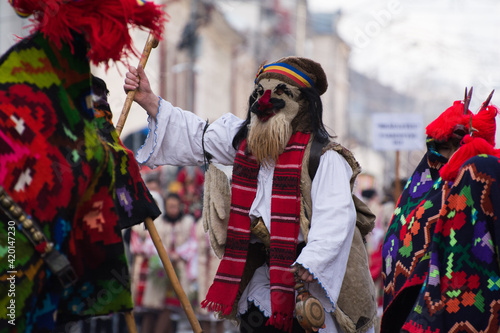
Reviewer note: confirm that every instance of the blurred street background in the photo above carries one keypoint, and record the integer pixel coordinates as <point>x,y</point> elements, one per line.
<point>381,56</point>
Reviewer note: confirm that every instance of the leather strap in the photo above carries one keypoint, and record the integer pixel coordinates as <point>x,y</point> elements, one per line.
<point>314,156</point>
<point>58,264</point>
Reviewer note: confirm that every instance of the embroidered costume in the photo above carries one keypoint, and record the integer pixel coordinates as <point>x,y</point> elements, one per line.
<point>63,164</point>
<point>404,251</point>
<point>462,292</point>
<point>442,229</point>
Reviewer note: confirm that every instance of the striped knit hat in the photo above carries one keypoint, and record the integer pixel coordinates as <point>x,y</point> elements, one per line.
<point>300,72</point>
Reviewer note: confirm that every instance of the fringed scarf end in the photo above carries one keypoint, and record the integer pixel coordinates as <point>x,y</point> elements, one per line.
<point>223,309</point>
<point>281,321</point>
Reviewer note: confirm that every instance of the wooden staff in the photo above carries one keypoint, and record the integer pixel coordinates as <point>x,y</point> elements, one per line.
<point>130,320</point>
<point>186,305</point>
<point>397,182</point>
<point>151,43</point>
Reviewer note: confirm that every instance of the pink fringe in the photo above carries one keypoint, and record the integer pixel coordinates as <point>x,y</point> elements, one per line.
<point>224,309</point>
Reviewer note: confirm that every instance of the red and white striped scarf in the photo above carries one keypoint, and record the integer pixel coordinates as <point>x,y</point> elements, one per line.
<point>285,213</point>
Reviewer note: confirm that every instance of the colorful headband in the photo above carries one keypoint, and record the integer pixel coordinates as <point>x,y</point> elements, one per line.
<point>289,71</point>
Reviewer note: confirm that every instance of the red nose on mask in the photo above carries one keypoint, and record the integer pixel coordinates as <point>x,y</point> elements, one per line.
<point>264,103</point>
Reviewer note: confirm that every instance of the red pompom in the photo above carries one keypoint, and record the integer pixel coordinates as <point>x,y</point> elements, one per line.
<point>471,146</point>
<point>442,128</point>
<point>485,124</point>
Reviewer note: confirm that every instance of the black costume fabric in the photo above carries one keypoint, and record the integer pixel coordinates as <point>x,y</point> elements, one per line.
<point>405,261</point>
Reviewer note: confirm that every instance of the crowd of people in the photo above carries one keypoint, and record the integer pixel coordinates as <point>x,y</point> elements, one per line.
<point>178,193</point>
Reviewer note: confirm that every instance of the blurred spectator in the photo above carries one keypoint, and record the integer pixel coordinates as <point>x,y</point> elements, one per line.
<point>153,292</point>
<point>191,192</point>
<point>383,210</point>
<point>207,267</point>
<point>153,185</point>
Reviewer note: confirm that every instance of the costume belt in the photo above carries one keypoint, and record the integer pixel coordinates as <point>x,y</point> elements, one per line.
<point>58,264</point>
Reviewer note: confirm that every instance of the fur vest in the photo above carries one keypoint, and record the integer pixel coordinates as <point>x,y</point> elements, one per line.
<point>356,306</point>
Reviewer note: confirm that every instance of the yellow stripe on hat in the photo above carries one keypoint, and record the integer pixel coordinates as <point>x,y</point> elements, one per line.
<point>285,69</point>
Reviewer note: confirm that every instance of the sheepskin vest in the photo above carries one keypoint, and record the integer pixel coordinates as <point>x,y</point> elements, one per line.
<point>356,306</point>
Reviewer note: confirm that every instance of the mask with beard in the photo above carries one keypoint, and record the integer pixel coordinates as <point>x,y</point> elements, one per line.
<point>276,105</point>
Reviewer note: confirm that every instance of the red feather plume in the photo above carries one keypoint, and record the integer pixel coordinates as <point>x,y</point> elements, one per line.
<point>104,23</point>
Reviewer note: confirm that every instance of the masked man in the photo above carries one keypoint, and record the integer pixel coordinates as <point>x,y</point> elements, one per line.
<point>307,207</point>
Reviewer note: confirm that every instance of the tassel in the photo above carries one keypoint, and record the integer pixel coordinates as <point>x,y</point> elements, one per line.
<point>484,123</point>
<point>281,322</point>
<point>225,310</point>
<point>442,127</point>
<point>471,147</point>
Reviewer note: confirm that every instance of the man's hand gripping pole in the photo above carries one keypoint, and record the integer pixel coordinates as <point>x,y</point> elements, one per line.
<point>151,43</point>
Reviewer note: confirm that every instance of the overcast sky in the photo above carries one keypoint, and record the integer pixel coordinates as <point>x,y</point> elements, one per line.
<point>436,45</point>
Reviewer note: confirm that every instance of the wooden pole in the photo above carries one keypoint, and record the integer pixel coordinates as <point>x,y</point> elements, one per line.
<point>397,182</point>
<point>167,265</point>
<point>151,43</point>
<point>130,320</point>
<point>186,305</point>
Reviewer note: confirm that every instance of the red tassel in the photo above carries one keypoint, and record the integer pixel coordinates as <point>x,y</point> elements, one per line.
<point>485,124</point>
<point>41,247</point>
<point>281,322</point>
<point>471,147</point>
<point>442,127</point>
<point>225,310</point>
